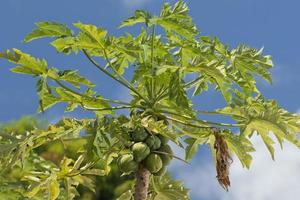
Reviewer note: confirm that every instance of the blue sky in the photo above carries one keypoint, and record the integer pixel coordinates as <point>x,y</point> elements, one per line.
<point>273,24</point>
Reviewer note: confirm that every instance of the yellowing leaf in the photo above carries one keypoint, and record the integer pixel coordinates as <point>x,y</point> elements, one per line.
<point>97,35</point>
<point>27,63</point>
<point>53,189</point>
<point>48,29</point>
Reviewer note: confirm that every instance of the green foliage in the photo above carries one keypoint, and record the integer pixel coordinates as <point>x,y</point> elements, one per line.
<point>161,108</point>
<point>265,117</point>
<point>167,189</point>
<point>54,162</point>
<point>48,29</point>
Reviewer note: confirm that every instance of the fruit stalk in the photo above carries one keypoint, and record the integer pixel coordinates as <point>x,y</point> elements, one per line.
<point>142,183</point>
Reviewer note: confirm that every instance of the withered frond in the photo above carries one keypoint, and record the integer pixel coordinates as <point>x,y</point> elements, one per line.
<point>223,160</point>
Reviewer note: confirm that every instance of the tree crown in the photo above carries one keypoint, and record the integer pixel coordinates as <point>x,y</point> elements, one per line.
<point>172,64</point>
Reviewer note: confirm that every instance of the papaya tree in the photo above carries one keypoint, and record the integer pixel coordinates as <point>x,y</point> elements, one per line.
<point>165,66</point>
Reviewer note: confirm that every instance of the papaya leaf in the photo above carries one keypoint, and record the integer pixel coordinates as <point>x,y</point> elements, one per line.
<point>97,35</point>
<point>140,16</point>
<point>176,91</point>
<point>126,196</point>
<point>265,117</point>
<point>47,99</point>
<point>65,45</point>
<point>241,146</point>
<point>166,188</point>
<point>26,63</point>
<point>73,77</point>
<point>215,72</point>
<point>192,146</point>
<point>53,188</point>
<point>48,29</point>
<point>176,20</point>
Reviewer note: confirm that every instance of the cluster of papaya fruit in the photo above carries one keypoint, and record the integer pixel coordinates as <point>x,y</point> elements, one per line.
<point>150,150</point>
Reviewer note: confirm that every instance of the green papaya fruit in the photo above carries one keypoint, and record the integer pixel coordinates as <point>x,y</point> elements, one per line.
<point>140,151</point>
<point>139,135</point>
<point>153,142</point>
<point>166,158</point>
<point>126,163</point>
<point>153,163</point>
<point>163,139</point>
<point>150,141</point>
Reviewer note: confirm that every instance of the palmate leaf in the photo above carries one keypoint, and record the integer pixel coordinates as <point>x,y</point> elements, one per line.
<point>177,92</point>
<point>28,64</point>
<point>71,190</point>
<point>47,99</point>
<point>245,59</point>
<point>176,20</point>
<point>48,29</point>
<point>217,64</point>
<point>265,117</point>
<point>126,196</point>
<point>140,16</point>
<point>241,146</point>
<point>73,77</point>
<point>87,102</point>
<point>65,45</point>
<point>241,64</point>
<point>120,51</point>
<point>192,146</point>
<point>47,183</point>
<point>215,72</point>
<point>165,188</point>
<point>97,35</point>
<point>37,67</point>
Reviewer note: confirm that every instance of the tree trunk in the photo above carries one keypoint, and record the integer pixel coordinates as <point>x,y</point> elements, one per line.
<point>142,183</point>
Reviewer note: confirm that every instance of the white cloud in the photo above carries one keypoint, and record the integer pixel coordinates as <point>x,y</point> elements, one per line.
<point>265,180</point>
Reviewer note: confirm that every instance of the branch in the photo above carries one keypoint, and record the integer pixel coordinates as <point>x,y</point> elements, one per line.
<point>82,95</point>
<point>152,65</point>
<point>186,123</point>
<point>217,113</point>
<point>123,82</point>
<point>201,121</point>
<point>111,108</point>
<point>168,154</point>
<point>189,84</point>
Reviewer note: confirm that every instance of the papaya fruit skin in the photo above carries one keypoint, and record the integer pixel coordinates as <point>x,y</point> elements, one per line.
<point>153,142</point>
<point>157,143</point>
<point>153,163</point>
<point>166,159</point>
<point>150,141</point>
<point>126,163</point>
<point>163,139</point>
<point>139,135</point>
<point>140,151</point>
